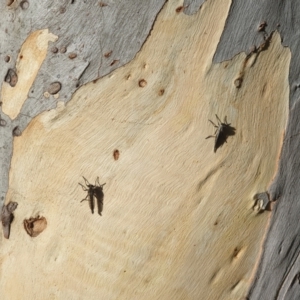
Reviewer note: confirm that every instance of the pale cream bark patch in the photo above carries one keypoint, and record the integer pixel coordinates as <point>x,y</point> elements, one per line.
<point>29,61</point>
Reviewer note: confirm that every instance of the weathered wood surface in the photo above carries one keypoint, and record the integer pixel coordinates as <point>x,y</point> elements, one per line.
<point>178,220</point>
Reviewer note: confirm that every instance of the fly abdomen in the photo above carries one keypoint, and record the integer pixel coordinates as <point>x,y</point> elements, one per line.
<point>94,191</point>
<point>91,200</point>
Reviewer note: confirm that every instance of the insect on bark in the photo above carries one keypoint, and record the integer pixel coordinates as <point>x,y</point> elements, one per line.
<point>94,191</point>
<point>222,132</point>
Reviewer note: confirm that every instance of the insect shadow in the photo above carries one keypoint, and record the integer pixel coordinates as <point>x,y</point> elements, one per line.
<point>94,191</point>
<point>223,131</point>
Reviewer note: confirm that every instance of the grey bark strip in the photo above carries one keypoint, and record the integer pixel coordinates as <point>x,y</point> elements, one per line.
<point>192,6</point>
<point>244,32</point>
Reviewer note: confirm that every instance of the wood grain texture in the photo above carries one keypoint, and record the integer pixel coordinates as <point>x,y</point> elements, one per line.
<point>178,219</point>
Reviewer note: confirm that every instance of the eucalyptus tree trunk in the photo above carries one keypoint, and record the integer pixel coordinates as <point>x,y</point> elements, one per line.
<point>177,122</point>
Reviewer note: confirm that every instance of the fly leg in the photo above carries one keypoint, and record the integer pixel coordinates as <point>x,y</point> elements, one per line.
<point>86,182</point>
<point>83,187</point>
<point>85,199</point>
<point>213,123</point>
<point>219,121</point>
<point>97,183</point>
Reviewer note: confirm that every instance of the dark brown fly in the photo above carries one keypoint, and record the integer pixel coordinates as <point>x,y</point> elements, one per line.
<point>222,132</point>
<point>94,191</point>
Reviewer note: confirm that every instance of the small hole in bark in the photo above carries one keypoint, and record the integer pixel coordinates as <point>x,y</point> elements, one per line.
<point>7,58</point>
<point>179,9</point>
<point>17,131</point>
<point>54,49</point>
<point>11,77</point>
<point>238,82</point>
<point>54,88</point>
<point>161,92</point>
<point>24,4</point>
<point>114,62</point>
<point>108,54</point>
<point>236,252</point>
<point>72,55</point>
<point>63,50</point>
<point>116,154</point>
<point>34,226</point>
<point>142,83</point>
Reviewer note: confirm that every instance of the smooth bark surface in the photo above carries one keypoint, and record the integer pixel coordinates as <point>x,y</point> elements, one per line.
<point>123,91</point>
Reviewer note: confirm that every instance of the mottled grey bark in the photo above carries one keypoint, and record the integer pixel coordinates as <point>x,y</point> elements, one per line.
<point>102,35</point>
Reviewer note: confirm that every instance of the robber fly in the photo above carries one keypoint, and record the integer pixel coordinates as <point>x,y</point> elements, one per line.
<point>222,132</point>
<point>94,191</point>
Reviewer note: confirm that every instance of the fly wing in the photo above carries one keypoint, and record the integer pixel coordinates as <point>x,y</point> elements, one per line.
<point>99,196</point>
<point>221,137</point>
<point>91,201</point>
<point>219,141</point>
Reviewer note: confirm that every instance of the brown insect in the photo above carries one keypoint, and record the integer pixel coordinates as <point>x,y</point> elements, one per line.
<point>94,191</point>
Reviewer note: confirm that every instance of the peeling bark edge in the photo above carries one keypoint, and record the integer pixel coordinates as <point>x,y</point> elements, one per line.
<point>122,27</point>
<point>275,277</point>
<point>7,217</point>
